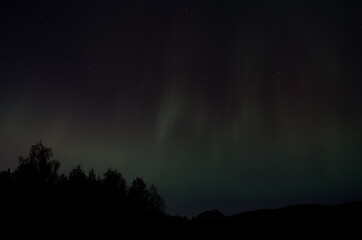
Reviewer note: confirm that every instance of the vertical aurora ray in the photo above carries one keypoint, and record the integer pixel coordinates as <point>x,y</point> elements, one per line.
<point>222,105</point>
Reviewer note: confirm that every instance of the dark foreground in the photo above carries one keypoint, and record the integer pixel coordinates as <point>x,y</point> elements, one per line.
<point>36,201</point>
<point>63,217</point>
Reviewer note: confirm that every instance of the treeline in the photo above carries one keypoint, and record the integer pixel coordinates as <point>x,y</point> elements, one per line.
<point>35,188</point>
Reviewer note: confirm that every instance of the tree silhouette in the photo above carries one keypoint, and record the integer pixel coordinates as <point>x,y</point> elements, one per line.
<point>113,178</point>
<point>6,177</point>
<point>35,190</point>
<point>38,168</point>
<point>138,196</point>
<point>77,177</point>
<point>115,184</point>
<point>157,202</point>
<point>6,181</point>
<point>92,177</point>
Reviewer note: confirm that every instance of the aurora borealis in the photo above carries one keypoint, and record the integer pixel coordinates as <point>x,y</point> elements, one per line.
<point>234,105</point>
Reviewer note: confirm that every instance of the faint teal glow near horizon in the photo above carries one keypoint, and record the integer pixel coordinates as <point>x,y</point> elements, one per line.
<point>237,107</point>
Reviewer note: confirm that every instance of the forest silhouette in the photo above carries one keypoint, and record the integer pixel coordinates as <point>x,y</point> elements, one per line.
<point>36,196</point>
<point>36,192</point>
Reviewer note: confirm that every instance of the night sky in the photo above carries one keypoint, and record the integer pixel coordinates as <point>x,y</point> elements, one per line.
<point>235,105</point>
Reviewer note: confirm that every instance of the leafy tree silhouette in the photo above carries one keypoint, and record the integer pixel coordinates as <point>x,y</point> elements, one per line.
<point>78,186</point>
<point>63,181</point>
<point>7,183</point>
<point>113,178</point>
<point>138,196</point>
<point>92,177</point>
<point>77,177</point>
<point>157,202</point>
<point>38,169</point>
<point>6,177</point>
<point>115,184</point>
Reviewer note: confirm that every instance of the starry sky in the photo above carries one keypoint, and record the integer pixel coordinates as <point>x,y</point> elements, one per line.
<point>235,105</point>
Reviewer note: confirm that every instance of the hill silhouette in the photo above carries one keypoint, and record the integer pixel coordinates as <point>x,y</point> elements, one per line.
<point>211,215</point>
<point>294,221</point>
<point>35,197</point>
